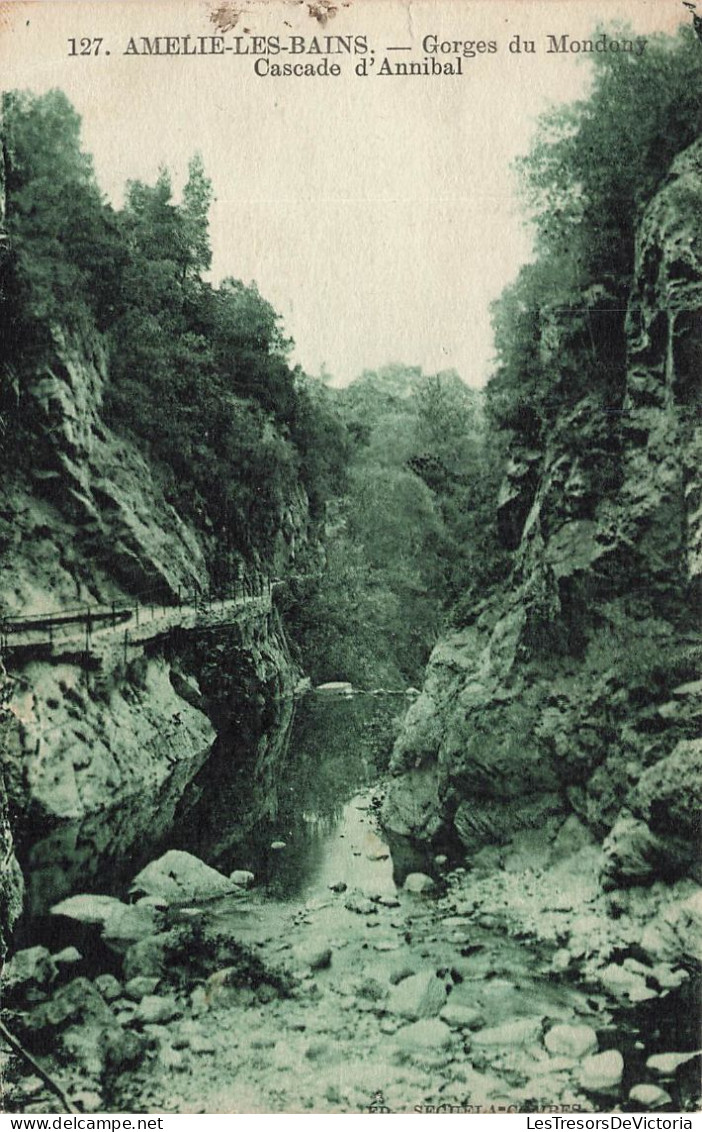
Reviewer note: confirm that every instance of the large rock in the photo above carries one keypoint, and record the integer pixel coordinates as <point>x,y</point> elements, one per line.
<point>571,1041</point>
<point>411,806</point>
<point>518,1032</point>
<point>603,1072</point>
<point>427,1034</point>
<point>649,1097</point>
<point>418,883</point>
<point>179,877</point>
<point>461,1017</point>
<point>156,1009</point>
<point>32,967</point>
<point>130,923</point>
<point>667,1064</point>
<point>80,1023</point>
<point>659,835</point>
<point>88,908</point>
<point>420,996</point>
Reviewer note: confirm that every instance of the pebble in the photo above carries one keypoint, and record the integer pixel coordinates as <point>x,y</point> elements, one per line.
<point>602,1072</point>
<point>571,1041</point>
<point>278,844</point>
<point>650,1096</point>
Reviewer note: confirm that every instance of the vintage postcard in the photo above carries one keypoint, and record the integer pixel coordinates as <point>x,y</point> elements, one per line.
<point>350,558</point>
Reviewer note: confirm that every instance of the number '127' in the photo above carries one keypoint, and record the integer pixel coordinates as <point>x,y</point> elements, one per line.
<point>84,46</point>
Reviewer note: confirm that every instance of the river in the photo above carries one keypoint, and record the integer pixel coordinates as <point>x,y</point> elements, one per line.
<point>292,798</point>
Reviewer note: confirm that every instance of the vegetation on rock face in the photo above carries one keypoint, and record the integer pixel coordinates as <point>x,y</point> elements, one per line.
<point>198,374</point>
<point>560,328</point>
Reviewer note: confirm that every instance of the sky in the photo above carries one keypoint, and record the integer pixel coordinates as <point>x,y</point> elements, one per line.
<point>380,215</point>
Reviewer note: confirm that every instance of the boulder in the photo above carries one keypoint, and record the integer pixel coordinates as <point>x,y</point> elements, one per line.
<point>140,986</point>
<point>461,1017</point>
<point>180,877</point>
<point>147,956</point>
<point>411,806</point>
<point>361,905</point>
<point>667,1064</point>
<point>622,982</point>
<point>156,1009</point>
<point>32,967</point>
<point>67,958</point>
<point>315,957</point>
<point>81,1021</point>
<point>419,996</point>
<point>571,1041</point>
<point>418,883</point>
<point>109,987</point>
<point>656,836</point>
<point>602,1072</point>
<point>88,908</point>
<point>130,923</point>
<point>427,1033</point>
<point>517,1032</point>
<point>242,878</point>
<point>649,1096</point>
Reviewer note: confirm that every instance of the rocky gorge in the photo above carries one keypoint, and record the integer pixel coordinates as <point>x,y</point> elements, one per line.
<point>565,719</point>
<point>220,894</point>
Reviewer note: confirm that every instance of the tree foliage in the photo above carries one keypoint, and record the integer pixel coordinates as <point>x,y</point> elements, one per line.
<point>560,328</point>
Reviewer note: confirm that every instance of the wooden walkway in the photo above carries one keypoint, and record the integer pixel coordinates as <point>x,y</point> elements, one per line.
<point>96,631</point>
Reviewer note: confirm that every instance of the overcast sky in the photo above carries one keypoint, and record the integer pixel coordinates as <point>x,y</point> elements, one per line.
<point>379,215</point>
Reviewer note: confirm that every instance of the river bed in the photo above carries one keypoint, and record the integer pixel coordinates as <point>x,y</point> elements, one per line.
<point>298,808</point>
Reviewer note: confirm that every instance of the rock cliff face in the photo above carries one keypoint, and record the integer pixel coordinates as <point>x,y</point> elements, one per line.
<point>576,691</point>
<point>83,520</point>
